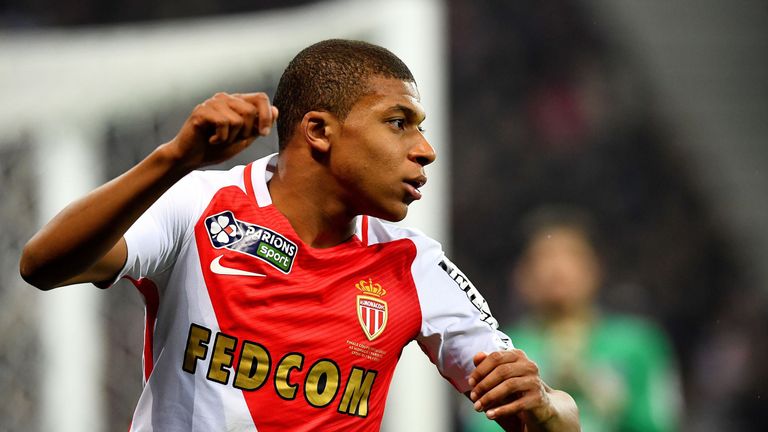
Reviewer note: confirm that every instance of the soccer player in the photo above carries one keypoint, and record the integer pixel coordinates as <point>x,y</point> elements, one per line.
<point>277,297</point>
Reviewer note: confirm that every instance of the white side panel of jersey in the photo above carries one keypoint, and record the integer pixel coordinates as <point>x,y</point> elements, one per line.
<point>456,320</point>
<point>161,247</point>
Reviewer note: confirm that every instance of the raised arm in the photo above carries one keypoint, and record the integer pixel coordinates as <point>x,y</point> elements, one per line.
<point>506,385</point>
<point>67,251</point>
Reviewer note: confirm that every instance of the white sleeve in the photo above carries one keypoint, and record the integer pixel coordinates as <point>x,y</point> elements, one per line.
<point>456,320</point>
<point>155,239</point>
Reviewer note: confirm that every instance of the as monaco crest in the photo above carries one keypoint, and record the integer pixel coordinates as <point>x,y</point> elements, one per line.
<point>371,309</point>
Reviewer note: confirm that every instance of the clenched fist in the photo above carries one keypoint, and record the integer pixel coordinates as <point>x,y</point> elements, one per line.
<point>222,127</point>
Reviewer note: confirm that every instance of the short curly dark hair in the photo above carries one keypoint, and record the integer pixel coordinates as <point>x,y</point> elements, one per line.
<point>331,76</point>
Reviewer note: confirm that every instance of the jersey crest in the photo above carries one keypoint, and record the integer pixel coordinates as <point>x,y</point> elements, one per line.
<point>372,311</point>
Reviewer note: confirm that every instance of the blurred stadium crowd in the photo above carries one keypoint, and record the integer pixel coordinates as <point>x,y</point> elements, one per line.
<point>545,108</point>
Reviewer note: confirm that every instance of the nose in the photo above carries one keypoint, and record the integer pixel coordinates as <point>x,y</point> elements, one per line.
<point>422,153</point>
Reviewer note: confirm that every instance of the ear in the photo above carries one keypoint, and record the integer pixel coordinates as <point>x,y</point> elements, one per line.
<point>319,128</point>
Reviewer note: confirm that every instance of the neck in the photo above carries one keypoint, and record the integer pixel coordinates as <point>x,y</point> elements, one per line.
<point>570,332</point>
<point>574,316</point>
<point>313,209</point>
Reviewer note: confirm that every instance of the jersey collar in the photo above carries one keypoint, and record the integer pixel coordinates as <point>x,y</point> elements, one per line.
<point>261,172</point>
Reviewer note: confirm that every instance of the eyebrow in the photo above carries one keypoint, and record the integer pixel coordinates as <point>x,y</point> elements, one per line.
<point>409,112</point>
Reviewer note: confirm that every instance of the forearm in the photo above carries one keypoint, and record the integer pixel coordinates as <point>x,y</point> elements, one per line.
<point>75,239</point>
<point>564,415</point>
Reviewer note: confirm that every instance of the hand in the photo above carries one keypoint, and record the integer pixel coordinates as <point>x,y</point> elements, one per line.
<point>507,386</point>
<point>221,127</point>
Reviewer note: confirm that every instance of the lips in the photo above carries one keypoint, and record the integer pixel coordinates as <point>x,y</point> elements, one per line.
<point>412,186</point>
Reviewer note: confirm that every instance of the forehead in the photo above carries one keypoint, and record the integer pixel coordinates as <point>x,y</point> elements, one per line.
<point>390,94</point>
<point>559,239</point>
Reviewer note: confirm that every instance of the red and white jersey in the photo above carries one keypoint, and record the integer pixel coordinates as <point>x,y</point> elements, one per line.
<point>250,329</point>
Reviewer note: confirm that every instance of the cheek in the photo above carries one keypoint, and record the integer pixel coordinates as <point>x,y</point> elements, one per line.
<point>369,160</point>
<point>360,175</point>
<point>372,166</point>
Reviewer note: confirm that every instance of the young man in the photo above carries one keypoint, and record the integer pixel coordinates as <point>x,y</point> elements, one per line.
<point>276,297</point>
<point>619,368</point>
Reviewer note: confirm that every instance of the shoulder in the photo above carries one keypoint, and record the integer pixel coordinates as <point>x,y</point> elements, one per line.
<point>428,252</point>
<point>443,286</point>
<point>380,232</point>
<point>214,178</point>
<point>200,186</point>
<point>188,197</point>
<point>630,325</point>
<point>642,333</point>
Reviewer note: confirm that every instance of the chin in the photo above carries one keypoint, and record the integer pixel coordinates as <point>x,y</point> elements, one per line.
<point>395,214</point>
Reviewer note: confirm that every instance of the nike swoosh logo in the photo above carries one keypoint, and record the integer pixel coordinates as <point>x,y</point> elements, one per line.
<point>217,268</point>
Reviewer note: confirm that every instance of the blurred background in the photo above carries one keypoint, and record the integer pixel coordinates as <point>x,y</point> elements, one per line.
<point>650,116</point>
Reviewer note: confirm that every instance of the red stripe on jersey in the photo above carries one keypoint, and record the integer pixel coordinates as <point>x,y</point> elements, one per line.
<point>151,295</point>
<point>248,181</point>
<point>364,229</point>
<point>371,324</point>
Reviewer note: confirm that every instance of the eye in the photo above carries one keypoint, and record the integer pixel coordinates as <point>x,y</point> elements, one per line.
<point>397,123</point>
<point>421,129</point>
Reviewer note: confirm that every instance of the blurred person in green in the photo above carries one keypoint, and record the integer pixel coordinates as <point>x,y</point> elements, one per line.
<point>620,369</point>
